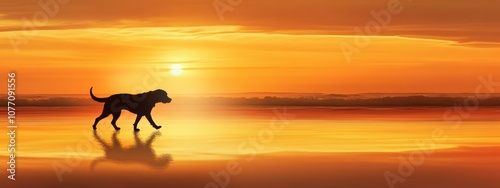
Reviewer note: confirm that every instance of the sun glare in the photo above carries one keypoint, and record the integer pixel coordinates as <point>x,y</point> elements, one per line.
<point>176,69</point>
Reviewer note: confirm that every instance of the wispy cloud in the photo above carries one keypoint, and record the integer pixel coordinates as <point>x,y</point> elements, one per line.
<point>463,21</point>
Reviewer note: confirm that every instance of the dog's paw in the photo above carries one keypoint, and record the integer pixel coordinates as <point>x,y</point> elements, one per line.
<point>94,127</point>
<point>118,128</point>
<point>157,127</point>
<point>137,130</point>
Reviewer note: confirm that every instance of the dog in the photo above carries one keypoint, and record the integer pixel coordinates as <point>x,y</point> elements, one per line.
<point>140,104</point>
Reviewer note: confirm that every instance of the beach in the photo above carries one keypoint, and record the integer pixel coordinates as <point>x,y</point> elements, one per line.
<point>258,146</point>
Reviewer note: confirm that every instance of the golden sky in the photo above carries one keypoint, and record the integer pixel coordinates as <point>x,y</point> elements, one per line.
<point>259,46</point>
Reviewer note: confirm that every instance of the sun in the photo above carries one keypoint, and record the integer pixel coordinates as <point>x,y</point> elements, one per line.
<point>176,69</point>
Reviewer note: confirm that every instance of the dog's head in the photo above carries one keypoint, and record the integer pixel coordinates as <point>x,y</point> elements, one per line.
<point>160,96</point>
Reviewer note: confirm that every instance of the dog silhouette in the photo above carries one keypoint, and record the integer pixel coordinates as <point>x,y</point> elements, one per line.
<point>140,104</point>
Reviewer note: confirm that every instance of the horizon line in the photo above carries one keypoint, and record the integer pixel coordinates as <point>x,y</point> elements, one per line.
<point>271,92</point>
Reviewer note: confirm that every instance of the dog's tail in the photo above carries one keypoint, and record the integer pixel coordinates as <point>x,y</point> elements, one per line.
<point>96,98</point>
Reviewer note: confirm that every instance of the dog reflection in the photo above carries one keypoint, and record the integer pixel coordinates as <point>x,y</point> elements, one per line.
<point>141,153</point>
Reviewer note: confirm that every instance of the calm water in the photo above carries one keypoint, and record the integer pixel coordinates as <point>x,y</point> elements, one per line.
<point>216,132</point>
<point>196,140</point>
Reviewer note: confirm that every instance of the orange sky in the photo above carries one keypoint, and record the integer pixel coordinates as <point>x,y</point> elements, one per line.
<point>260,46</point>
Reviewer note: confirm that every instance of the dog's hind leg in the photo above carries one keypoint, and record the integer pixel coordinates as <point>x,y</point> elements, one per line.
<point>102,116</point>
<point>137,119</point>
<point>116,115</point>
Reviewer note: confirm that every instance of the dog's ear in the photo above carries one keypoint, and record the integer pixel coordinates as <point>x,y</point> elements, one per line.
<point>152,97</point>
<point>148,94</point>
<point>162,96</point>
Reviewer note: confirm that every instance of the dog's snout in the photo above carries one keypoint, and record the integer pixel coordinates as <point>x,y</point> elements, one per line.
<point>166,99</point>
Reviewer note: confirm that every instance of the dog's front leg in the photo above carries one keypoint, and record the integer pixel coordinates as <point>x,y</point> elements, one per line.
<point>137,119</point>
<point>150,119</point>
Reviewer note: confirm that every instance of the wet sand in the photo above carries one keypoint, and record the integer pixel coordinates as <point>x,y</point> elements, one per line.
<point>257,147</point>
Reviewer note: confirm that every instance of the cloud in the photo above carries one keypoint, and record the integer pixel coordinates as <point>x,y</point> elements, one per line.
<point>459,20</point>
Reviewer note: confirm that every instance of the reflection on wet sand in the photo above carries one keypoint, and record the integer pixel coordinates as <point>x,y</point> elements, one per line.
<point>141,153</point>
<point>339,148</point>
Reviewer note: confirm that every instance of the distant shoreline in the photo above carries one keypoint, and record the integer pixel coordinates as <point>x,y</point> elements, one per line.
<point>328,100</point>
